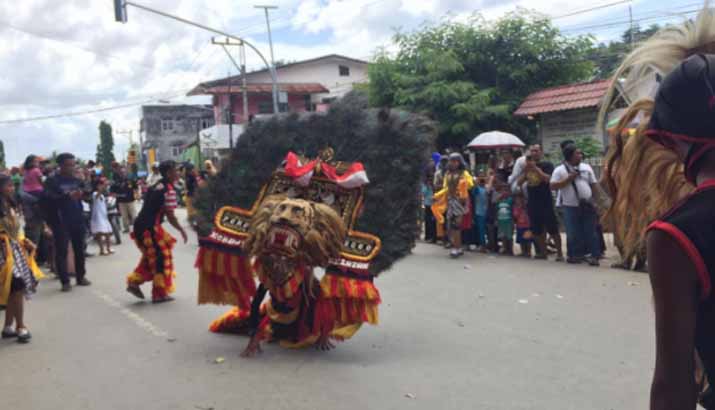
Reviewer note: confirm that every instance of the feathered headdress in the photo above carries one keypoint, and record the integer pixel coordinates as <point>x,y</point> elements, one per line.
<point>644,178</point>
<point>393,146</point>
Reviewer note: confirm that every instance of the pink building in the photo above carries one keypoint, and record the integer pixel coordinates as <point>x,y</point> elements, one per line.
<point>307,85</point>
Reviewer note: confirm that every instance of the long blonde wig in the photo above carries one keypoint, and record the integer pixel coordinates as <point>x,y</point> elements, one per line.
<point>644,178</point>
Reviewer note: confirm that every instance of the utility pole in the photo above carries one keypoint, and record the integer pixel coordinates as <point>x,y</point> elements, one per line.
<point>198,141</point>
<point>230,113</point>
<point>273,62</point>
<point>630,15</point>
<point>120,10</point>
<point>242,57</point>
<point>126,132</point>
<point>242,69</point>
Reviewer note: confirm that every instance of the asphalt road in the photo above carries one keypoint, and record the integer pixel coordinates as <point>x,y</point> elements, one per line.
<point>477,333</point>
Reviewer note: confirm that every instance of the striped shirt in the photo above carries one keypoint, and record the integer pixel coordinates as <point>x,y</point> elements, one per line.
<point>170,201</point>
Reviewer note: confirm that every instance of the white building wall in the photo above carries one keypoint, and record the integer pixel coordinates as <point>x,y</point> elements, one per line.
<point>325,72</point>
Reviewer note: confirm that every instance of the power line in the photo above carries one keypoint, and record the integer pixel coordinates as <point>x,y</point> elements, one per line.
<point>645,15</point>
<point>603,6</point>
<point>628,22</point>
<point>78,113</point>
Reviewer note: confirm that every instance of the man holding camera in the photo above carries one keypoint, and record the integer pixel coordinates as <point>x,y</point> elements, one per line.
<point>575,182</point>
<point>536,174</point>
<point>63,203</point>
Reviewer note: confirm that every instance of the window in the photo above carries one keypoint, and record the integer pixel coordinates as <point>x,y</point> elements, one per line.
<point>167,125</point>
<point>283,107</point>
<point>176,151</point>
<point>205,123</point>
<point>344,71</point>
<point>265,107</point>
<point>308,103</point>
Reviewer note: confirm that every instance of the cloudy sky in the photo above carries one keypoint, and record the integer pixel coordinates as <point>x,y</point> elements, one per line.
<point>69,56</point>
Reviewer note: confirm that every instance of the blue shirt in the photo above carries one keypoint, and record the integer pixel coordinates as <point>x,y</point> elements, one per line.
<point>481,202</point>
<point>68,211</point>
<point>427,195</point>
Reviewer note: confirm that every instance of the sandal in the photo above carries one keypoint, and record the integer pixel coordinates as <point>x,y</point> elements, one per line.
<point>9,333</point>
<point>23,335</point>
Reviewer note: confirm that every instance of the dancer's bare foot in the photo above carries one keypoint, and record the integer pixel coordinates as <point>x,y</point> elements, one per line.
<point>253,348</point>
<point>324,344</point>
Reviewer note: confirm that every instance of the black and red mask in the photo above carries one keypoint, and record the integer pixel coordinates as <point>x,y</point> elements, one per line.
<point>685,110</point>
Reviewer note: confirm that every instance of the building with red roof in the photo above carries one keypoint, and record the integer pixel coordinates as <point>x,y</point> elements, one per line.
<point>566,112</point>
<point>308,85</point>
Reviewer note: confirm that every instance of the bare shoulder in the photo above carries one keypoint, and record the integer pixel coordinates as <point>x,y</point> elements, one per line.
<point>666,256</point>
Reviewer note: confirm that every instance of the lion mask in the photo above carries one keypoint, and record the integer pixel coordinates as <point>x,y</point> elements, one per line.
<point>296,230</point>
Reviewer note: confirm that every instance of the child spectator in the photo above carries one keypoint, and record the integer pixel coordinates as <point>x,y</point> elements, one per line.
<point>101,228</point>
<point>505,219</point>
<point>524,236</point>
<point>481,207</point>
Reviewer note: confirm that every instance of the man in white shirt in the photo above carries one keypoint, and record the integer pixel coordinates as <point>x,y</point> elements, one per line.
<point>517,172</point>
<point>155,176</point>
<point>575,182</point>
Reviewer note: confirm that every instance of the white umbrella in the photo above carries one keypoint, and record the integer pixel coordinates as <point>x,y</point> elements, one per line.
<point>495,140</point>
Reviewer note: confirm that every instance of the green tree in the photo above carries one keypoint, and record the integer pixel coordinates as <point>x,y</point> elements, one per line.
<point>591,147</point>
<point>469,77</point>
<point>105,149</point>
<point>607,56</point>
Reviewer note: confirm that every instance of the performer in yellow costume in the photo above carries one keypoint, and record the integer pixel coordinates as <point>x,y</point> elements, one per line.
<point>18,271</point>
<point>452,201</point>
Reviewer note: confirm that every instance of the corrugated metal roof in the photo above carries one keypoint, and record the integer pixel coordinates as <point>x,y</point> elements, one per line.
<point>292,88</point>
<point>563,98</point>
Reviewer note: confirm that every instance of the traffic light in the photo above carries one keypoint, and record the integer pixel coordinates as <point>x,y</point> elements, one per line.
<point>132,157</point>
<point>120,10</point>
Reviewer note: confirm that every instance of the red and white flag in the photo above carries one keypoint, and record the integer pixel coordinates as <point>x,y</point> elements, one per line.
<point>354,177</point>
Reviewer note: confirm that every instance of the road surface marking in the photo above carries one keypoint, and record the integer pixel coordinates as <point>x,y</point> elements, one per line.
<point>144,324</point>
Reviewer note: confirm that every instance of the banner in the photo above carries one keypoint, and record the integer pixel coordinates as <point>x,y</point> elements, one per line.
<point>151,157</point>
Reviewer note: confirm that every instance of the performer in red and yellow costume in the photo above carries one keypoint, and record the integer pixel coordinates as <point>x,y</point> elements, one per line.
<point>302,219</point>
<point>155,244</point>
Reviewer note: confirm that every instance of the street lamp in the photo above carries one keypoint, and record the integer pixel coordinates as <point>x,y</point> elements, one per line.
<point>120,15</point>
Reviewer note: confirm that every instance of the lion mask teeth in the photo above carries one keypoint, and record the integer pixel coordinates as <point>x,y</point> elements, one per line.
<point>281,237</point>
